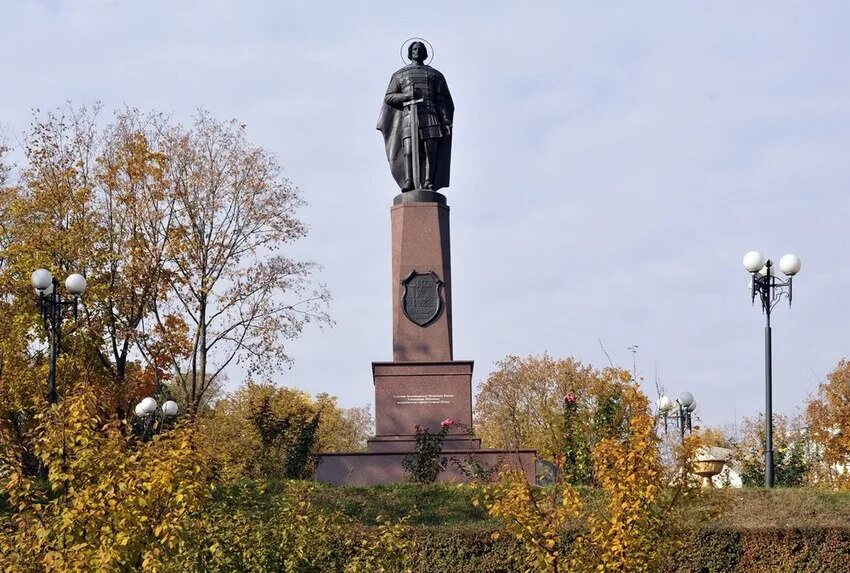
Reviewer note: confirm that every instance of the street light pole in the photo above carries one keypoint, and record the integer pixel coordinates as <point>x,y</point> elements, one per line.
<point>768,403</point>
<point>770,290</point>
<point>52,308</point>
<point>686,406</point>
<point>148,410</point>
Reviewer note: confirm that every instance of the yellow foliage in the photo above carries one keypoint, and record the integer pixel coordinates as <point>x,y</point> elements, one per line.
<point>387,549</point>
<point>342,429</point>
<point>828,417</point>
<point>623,525</point>
<point>178,231</point>
<point>521,404</point>
<point>250,528</point>
<point>537,518</point>
<point>232,441</point>
<point>624,535</point>
<point>115,504</point>
<point>111,504</point>
<point>89,200</point>
<point>712,437</point>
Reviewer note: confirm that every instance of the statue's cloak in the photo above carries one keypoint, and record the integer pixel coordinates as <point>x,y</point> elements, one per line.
<point>390,125</point>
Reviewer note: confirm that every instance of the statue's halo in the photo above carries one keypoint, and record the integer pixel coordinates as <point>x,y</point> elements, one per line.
<point>403,50</point>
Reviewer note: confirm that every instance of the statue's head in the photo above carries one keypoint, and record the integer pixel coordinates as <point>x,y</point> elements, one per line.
<point>417,52</point>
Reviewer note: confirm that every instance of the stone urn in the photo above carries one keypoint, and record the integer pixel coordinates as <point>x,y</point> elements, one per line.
<point>707,468</point>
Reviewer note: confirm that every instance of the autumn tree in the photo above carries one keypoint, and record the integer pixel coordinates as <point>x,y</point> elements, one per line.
<point>342,429</point>
<point>19,375</point>
<point>179,232</point>
<point>792,456</point>
<point>108,504</point>
<point>629,525</point>
<point>136,208</point>
<point>48,220</point>
<point>559,407</point>
<point>241,299</point>
<point>828,421</point>
<point>90,201</point>
<point>266,431</point>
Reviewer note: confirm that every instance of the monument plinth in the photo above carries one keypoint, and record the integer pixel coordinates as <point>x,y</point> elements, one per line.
<point>422,278</point>
<point>421,393</point>
<point>423,386</point>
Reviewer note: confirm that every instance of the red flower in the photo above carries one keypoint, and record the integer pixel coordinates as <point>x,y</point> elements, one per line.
<point>570,398</point>
<point>447,422</point>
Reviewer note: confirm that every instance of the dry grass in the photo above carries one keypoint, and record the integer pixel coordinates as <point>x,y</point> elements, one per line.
<point>732,508</point>
<point>763,508</point>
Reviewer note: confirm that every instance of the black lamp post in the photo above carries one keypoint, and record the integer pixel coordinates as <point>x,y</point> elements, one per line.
<point>153,416</point>
<point>770,291</point>
<point>685,405</point>
<point>53,306</point>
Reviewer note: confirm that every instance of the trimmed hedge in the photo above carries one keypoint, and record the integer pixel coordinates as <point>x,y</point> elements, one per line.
<point>470,549</point>
<point>774,550</point>
<point>452,536</point>
<point>462,549</point>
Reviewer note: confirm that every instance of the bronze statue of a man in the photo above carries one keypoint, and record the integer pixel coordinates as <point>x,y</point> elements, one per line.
<point>416,122</point>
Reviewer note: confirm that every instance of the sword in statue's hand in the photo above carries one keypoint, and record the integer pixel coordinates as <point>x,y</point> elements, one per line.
<point>414,139</point>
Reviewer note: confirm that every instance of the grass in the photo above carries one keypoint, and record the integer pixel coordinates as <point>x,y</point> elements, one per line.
<point>441,505</point>
<point>780,507</point>
<point>452,505</point>
<point>432,504</point>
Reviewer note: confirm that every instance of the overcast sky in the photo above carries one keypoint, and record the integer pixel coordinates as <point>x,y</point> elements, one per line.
<point>612,163</point>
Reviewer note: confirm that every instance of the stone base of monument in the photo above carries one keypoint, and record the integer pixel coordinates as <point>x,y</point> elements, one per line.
<point>423,386</point>
<point>395,444</point>
<point>368,468</point>
<point>426,394</point>
<point>408,394</point>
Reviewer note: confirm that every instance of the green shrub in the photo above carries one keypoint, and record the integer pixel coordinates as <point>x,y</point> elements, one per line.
<point>427,461</point>
<point>250,528</point>
<point>462,549</point>
<point>467,549</point>
<point>305,527</point>
<point>707,551</point>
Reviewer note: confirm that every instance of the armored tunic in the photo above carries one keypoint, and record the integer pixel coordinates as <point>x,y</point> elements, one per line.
<point>435,113</point>
<point>427,83</point>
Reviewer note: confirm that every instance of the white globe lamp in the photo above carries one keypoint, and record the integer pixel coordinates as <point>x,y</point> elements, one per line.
<point>148,405</point>
<point>42,280</point>
<point>790,265</point>
<point>753,261</point>
<point>76,284</point>
<point>170,408</point>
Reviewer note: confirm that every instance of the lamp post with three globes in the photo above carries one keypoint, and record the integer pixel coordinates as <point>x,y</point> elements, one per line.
<point>53,306</point>
<point>770,291</point>
<point>148,411</point>
<point>686,405</point>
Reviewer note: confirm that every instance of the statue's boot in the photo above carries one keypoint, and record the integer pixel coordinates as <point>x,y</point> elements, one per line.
<point>408,185</point>
<point>430,153</point>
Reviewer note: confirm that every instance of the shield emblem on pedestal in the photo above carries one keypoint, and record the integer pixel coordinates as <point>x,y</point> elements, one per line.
<point>421,300</point>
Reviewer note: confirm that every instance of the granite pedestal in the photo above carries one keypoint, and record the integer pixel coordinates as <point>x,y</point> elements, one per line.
<point>423,385</point>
